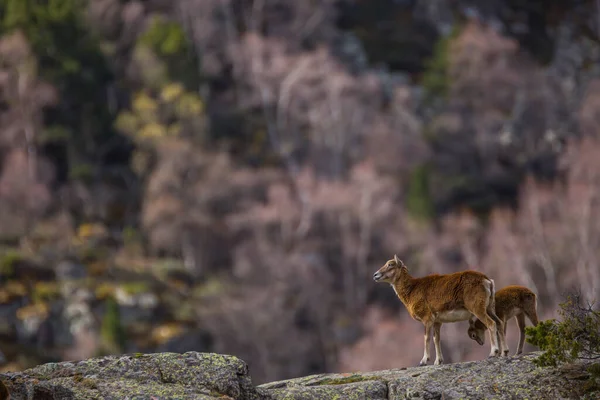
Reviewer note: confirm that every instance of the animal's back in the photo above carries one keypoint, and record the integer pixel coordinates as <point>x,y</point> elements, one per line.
<point>448,291</point>
<point>510,300</point>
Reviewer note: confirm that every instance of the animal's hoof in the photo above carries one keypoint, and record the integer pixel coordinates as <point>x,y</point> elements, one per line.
<point>494,353</point>
<point>505,353</point>
<point>438,362</point>
<point>422,363</point>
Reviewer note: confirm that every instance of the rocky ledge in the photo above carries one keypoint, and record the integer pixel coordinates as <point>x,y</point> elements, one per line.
<point>205,376</point>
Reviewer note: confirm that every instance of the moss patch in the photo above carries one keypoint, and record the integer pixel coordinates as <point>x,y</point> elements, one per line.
<point>347,379</point>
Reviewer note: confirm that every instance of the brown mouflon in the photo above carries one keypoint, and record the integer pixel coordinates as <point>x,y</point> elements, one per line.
<point>437,299</point>
<point>511,301</point>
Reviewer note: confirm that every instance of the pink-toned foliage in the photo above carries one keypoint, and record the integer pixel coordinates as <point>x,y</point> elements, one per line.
<point>26,176</point>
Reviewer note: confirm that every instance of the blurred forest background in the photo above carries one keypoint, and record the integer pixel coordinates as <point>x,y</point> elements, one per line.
<point>226,175</point>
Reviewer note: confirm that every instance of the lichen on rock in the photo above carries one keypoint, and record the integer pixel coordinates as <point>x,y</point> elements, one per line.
<point>189,375</point>
<point>205,376</point>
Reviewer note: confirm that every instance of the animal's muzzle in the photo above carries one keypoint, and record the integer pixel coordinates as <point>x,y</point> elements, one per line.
<point>377,276</point>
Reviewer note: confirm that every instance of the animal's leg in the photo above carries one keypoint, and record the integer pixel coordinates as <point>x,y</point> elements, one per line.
<point>501,332</point>
<point>479,305</point>
<point>521,325</point>
<point>504,324</point>
<point>439,357</point>
<point>427,343</point>
<point>492,329</point>
<point>490,311</point>
<point>500,328</point>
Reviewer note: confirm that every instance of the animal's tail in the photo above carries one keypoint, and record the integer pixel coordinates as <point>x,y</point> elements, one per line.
<point>492,304</point>
<point>493,296</point>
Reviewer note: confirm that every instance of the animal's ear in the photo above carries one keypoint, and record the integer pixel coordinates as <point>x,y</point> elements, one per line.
<point>398,261</point>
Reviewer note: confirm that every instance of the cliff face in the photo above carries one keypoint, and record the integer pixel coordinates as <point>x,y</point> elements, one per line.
<point>207,376</point>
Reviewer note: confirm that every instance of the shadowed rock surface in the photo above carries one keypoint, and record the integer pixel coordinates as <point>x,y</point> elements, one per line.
<point>195,375</point>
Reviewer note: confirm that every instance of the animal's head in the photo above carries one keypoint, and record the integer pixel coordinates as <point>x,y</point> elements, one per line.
<point>477,331</point>
<point>390,272</point>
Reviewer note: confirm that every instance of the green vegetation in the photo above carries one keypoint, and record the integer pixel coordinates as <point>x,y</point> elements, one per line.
<point>89,254</point>
<point>576,336</point>
<point>69,57</point>
<point>186,312</point>
<point>593,383</point>
<point>164,37</point>
<point>165,266</point>
<point>47,25</point>
<point>168,42</point>
<point>104,290</point>
<point>45,291</point>
<point>436,80</point>
<point>419,202</point>
<point>166,113</point>
<point>131,236</point>
<point>81,172</point>
<point>112,332</point>
<point>133,288</point>
<point>213,286</point>
<point>8,262</point>
<point>133,240</point>
<point>167,106</point>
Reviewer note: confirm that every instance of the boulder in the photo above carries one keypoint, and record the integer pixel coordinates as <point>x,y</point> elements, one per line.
<point>205,376</point>
<point>496,378</point>
<point>192,375</point>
